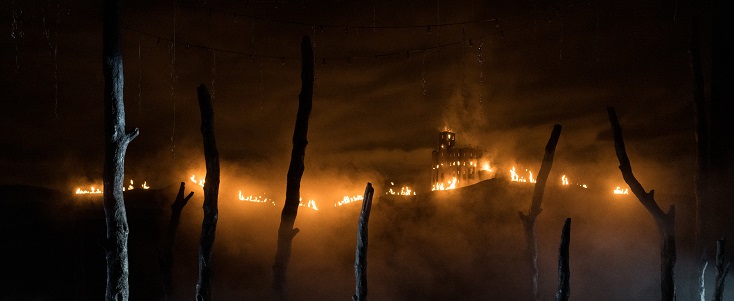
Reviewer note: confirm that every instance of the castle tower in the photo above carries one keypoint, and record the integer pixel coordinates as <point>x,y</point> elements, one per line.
<point>455,166</point>
<point>446,140</point>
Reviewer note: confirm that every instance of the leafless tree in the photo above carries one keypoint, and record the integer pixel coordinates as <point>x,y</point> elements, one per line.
<point>116,140</point>
<point>528,220</point>
<point>211,196</point>
<point>360,260</point>
<point>665,221</point>
<point>286,232</point>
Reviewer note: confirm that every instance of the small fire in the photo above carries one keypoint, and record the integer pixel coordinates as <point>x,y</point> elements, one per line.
<point>564,180</point>
<point>200,182</point>
<point>514,177</point>
<point>347,199</point>
<point>486,167</point>
<point>405,190</point>
<point>619,190</point>
<point>254,199</point>
<point>91,190</point>
<point>449,185</point>
<point>310,204</point>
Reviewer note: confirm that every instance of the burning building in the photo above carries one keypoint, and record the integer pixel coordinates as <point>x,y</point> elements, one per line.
<point>454,166</point>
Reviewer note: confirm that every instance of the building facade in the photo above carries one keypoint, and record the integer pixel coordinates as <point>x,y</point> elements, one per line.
<point>455,166</point>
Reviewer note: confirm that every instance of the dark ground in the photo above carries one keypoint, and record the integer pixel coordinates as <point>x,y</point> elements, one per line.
<point>465,244</point>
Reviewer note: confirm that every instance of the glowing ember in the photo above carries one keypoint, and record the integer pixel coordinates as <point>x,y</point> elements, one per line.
<point>564,180</point>
<point>200,182</point>
<point>405,190</point>
<point>91,190</point>
<point>619,190</point>
<point>347,199</point>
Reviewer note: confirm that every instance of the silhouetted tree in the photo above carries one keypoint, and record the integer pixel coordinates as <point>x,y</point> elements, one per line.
<point>116,140</point>
<point>286,232</point>
<point>564,273</point>
<point>211,196</point>
<point>165,257</point>
<point>360,258</point>
<point>528,220</point>
<point>722,269</point>
<point>665,221</point>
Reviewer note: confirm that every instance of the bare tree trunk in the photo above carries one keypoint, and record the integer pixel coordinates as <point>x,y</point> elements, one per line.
<point>701,276</point>
<point>116,142</point>
<point>665,221</point>
<point>528,220</point>
<point>360,260</point>
<point>564,273</point>
<point>286,232</point>
<point>211,196</point>
<point>700,118</point>
<point>721,270</point>
<point>165,257</point>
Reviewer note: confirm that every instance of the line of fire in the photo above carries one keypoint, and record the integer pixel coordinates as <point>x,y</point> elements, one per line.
<point>453,166</point>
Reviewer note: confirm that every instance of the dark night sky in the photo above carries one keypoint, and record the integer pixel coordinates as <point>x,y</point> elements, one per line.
<point>375,116</point>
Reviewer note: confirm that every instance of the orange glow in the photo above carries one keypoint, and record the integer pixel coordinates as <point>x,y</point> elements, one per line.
<point>564,180</point>
<point>486,167</point>
<point>619,190</point>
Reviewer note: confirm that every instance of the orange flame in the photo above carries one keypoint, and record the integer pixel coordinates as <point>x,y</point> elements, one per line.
<point>200,182</point>
<point>92,190</point>
<point>347,199</point>
<point>564,180</point>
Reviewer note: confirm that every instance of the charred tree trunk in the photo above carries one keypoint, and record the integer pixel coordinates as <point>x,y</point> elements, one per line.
<point>165,257</point>
<point>211,196</point>
<point>528,220</point>
<point>721,270</point>
<point>360,261</point>
<point>116,142</point>
<point>665,221</point>
<point>564,273</point>
<point>286,232</point>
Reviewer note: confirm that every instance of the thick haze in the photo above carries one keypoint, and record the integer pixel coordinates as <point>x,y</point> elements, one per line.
<point>375,116</point>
